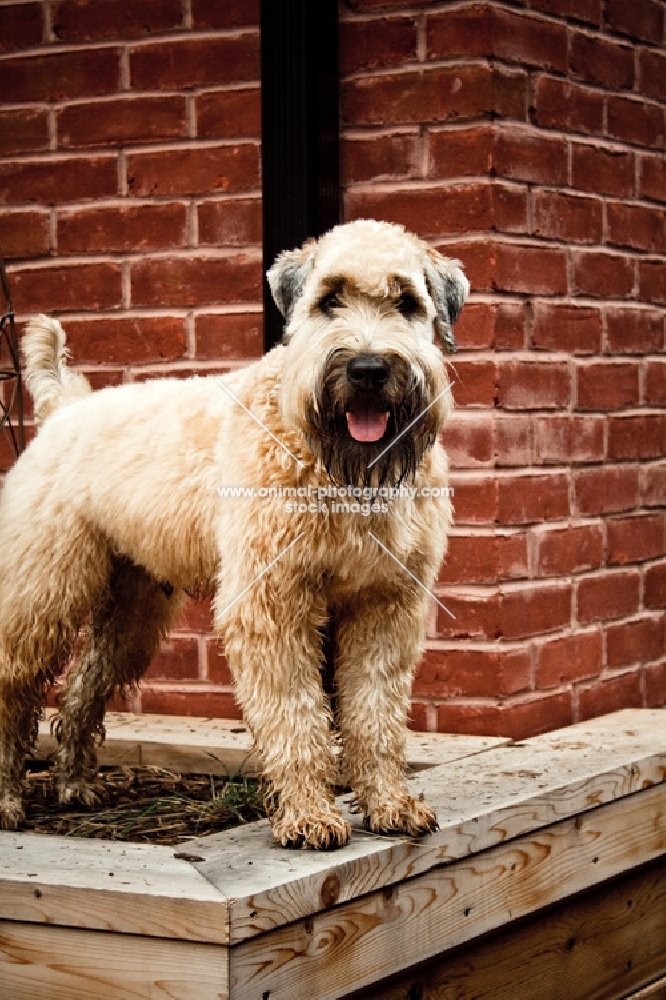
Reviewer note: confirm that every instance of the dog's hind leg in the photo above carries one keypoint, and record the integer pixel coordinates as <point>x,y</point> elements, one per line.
<point>123,637</point>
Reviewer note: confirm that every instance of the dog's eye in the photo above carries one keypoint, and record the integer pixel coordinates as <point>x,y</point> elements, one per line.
<point>329,303</point>
<point>407,305</point>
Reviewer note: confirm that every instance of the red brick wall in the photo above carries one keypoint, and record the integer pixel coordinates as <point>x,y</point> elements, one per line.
<point>527,140</point>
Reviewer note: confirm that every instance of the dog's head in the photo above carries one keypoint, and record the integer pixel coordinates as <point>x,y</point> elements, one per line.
<point>364,379</point>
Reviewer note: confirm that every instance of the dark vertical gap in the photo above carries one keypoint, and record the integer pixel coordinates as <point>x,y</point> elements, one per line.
<point>299,137</point>
<point>299,150</point>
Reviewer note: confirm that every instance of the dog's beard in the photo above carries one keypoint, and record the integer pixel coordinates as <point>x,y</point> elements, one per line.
<point>357,436</point>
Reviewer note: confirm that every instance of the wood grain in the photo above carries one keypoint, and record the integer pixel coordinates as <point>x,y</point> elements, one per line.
<point>366,940</point>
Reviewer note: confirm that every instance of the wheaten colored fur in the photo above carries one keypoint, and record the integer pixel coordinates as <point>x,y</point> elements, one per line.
<point>113,512</point>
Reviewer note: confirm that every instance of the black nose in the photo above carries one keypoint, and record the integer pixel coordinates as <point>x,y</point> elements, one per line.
<point>368,371</point>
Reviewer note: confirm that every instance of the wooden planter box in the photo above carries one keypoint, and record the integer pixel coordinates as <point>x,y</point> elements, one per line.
<point>547,878</point>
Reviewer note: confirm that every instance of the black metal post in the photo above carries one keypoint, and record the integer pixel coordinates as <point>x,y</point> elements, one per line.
<point>300,127</point>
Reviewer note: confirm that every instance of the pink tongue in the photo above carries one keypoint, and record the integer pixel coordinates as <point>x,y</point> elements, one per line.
<point>367,426</point>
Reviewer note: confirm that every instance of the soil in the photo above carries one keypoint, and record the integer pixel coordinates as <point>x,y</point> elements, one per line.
<point>143,805</point>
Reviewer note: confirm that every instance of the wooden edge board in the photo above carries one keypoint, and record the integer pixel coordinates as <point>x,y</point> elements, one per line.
<point>224,746</point>
<point>655,991</point>
<point>363,941</point>
<point>63,963</point>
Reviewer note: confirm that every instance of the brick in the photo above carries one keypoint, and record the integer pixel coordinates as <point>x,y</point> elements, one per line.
<point>652,280</point>
<point>487,31</point>
<point>57,180</point>
<point>610,595</point>
<point>606,490</point>
<point>24,130</point>
<point>655,383</point>
<point>196,281</point>
<point>566,106</point>
<point>127,340</point>
<point>530,156</point>
<point>652,74</point>
<point>653,484</point>
<point>655,685</point>
<point>564,440</point>
<point>652,177</point>
<point>512,555</point>
<point>195,62</point>
<point>568,659</point>
<point>379,43</point>
<point>562,551</point>
<point>465,152</point>
<point>229,114</point>
<point>230,14</point>
<point>655,586</point>
<point>605,171</point>
<point>571,329</point>
<point>61,76</point>
<point>635,121</point>
<point>381,157</point>
<point>637,641</point>
<point>230,223</point>
<point>197,616</point>
<point>510,322</point>
<point>476,614</point>
<point>235,335</point>
<point>607,386</point>
<point>637,437</point>
<point>601,61</point>
<point>601,274</point>
<point>529,385</point>
<point>534,609</point>
<point>641,19</point>
<point>192,702</point>
<point>116,229</point>
<point>610,696</point>
<point>218,665</point>
<point>533,270</point>
<point>572,218</point>
<point>54,288</point>
<point>634,331</point>
<point>587,11</point>
<point>513,440</point>
<point>474,383</point>
<point>468,439</point>
<point>96,20</point>
<point>636,226</point>
<point>517,720</point>
<point>473,673</point>
<point>476,499</point>
<point>25,234</point>
<point>417,720</point>
<point>21,25</point>
<point>177,660</point>
<point>197,170</point>
<point>489,324</point>
<point>122,121</point>
<point>532,498</point>
<point>447,94</point>
<point>432,212</point>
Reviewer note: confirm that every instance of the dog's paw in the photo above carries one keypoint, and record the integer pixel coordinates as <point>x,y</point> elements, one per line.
<point>402,815</point>
<point>79,791</point>
<point>319,832</point>
<point>11,812</point>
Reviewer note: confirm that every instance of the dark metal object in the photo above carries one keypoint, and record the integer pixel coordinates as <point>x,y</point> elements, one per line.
<point>11,383</point>
<point>300,129</point>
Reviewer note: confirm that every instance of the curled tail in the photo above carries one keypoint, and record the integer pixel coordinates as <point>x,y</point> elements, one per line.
<point>50,382</point>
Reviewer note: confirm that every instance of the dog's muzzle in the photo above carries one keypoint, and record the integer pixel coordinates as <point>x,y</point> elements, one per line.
<point>367,415</point>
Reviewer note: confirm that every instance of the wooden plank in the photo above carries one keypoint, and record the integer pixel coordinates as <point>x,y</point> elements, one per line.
<point>127,888</point>
<point>56,963</point>
<point>481,801</point>
<point>223,746</point>
<point>655,991</point>
<point>601,946</point>
<point>363,941</point>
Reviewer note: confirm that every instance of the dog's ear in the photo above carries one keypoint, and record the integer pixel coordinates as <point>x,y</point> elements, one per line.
<point>288,275</point>
<point>448,288</point>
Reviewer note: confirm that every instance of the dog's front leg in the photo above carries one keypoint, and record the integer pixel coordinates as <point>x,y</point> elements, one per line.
<point>273,643</point>
<point>379,643</point>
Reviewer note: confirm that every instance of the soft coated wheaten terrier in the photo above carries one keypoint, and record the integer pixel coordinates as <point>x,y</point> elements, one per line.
<point>121,505</point>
